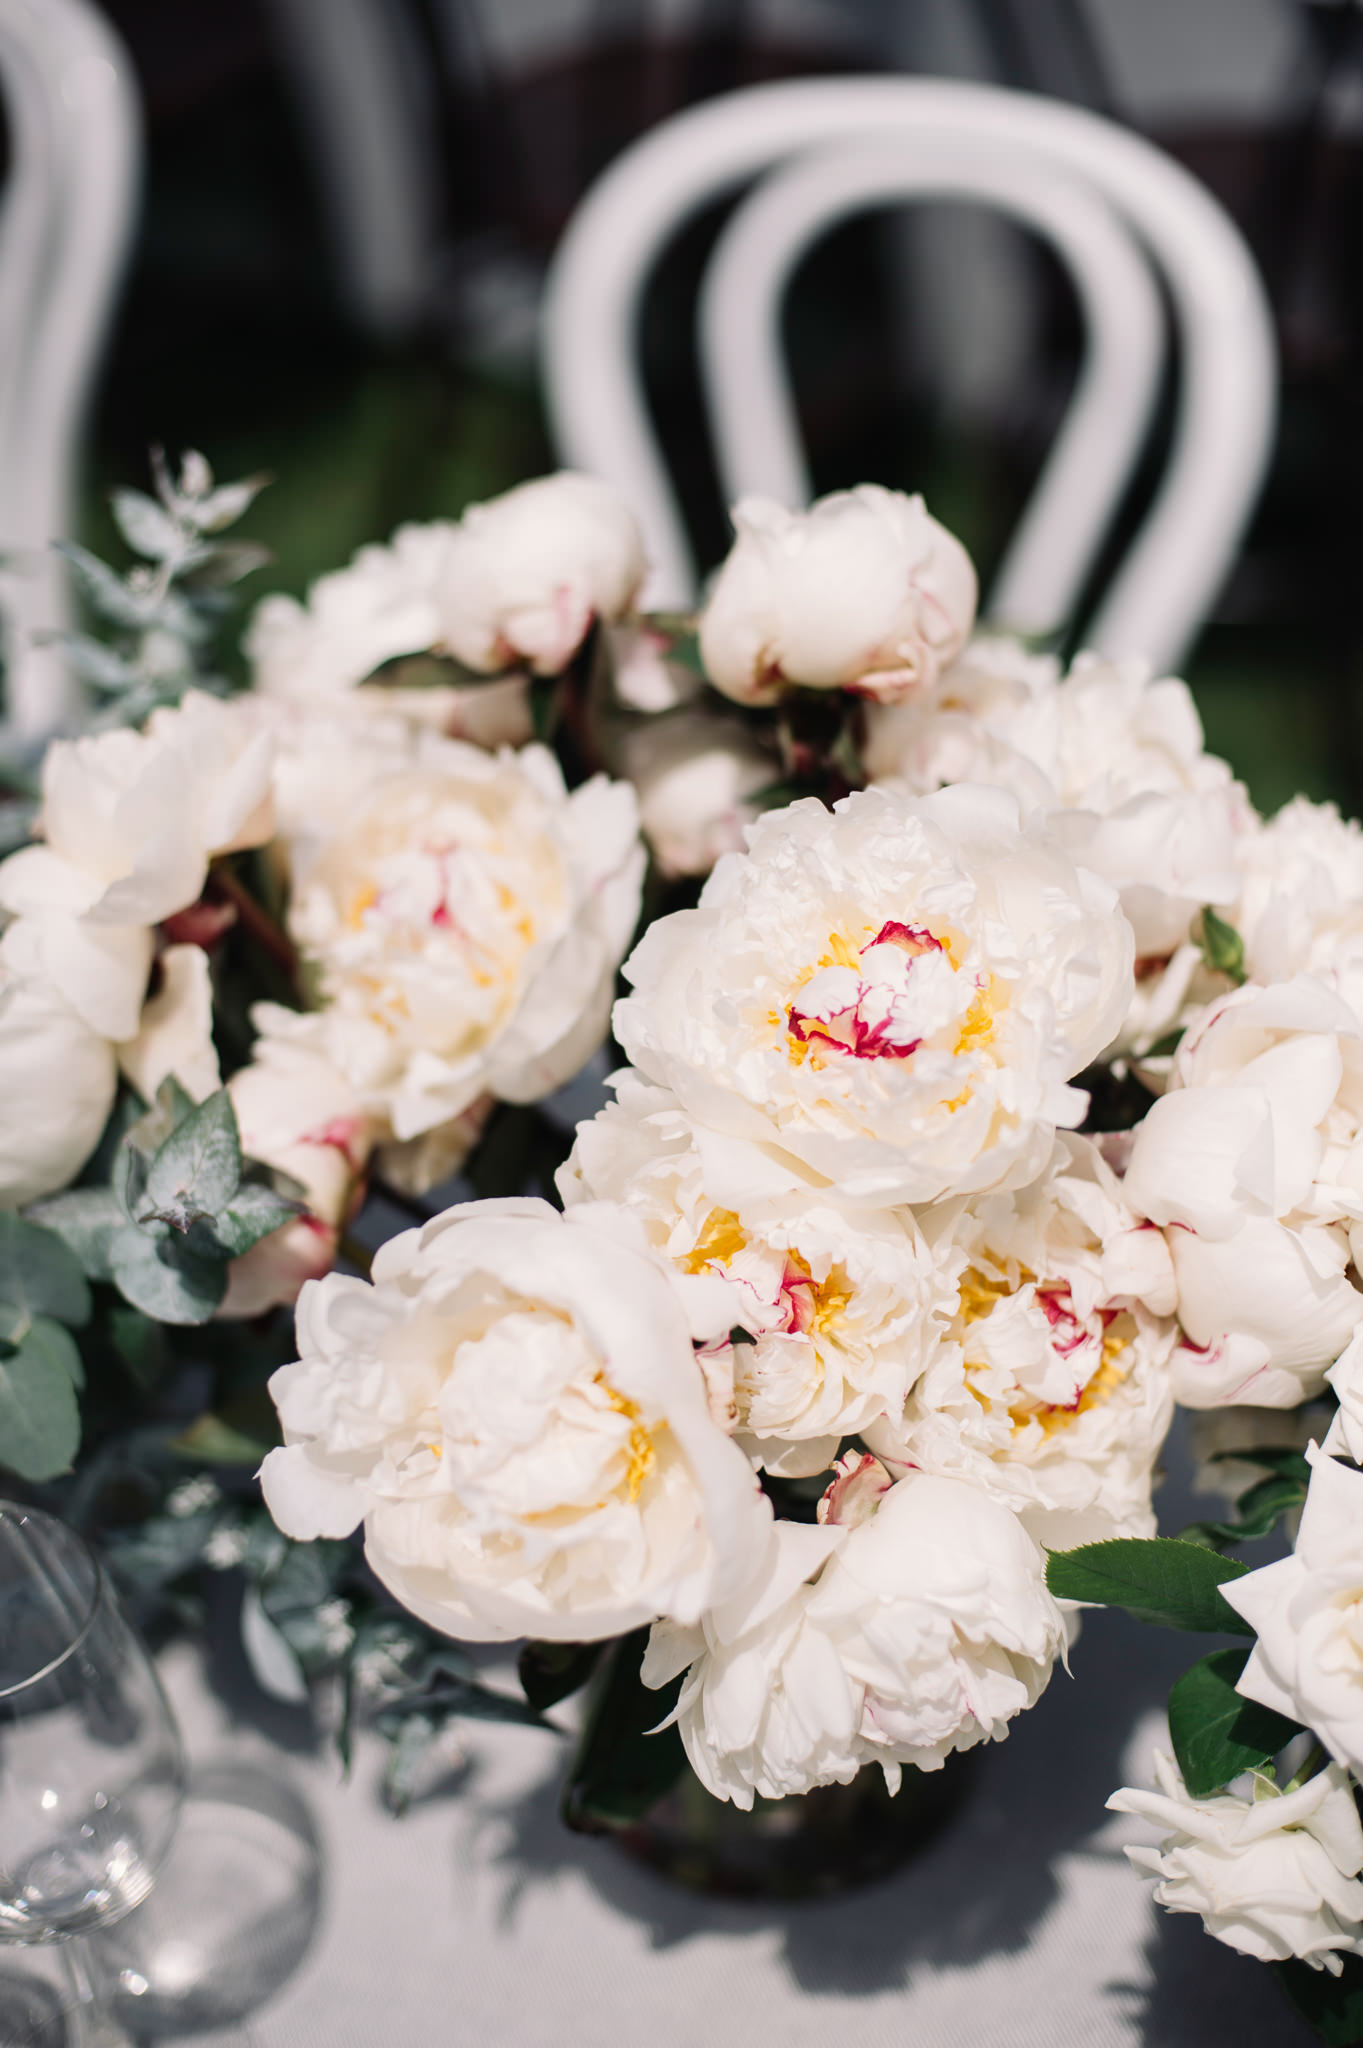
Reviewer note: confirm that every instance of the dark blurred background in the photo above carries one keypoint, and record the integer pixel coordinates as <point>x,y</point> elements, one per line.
<point>277,318</point>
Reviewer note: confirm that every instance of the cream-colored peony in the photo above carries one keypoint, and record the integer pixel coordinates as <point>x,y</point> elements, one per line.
<point>514,1411</point>
<point>1307,1611</point>
<point>888,998</point>
<point>382,606</point>
<point>57,1084</point>
<point>863,592</point>
<point>295,1113</point>
<point>696,775</point>
<point>463,926</point>
<point>529,572</point>
<point>128,825</point>
<point>1050,1388</point>
<point>1301,902</point>
<point>841,1313</point>
<point>1115,755</point>
<point>921,1630</point>
<point>1273,1875</point>
<point>1253,1163</point>
<point>175,1030</point>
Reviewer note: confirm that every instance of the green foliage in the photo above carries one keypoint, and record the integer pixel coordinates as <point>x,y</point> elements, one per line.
<point>1332,2005</point>
<point>1158,1578</point>
<point>160,619</point>
<point>550,1672</point>
<point>1223,949</point>
<point>42,1291</point>
<point>1215,1732</point>
<point>621,1769</point>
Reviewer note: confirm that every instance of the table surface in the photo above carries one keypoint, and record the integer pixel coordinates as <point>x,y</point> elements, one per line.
<point>479,1918</point>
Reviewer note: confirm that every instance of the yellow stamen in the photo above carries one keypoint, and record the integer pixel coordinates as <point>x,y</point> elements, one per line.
<point>722,1237</point>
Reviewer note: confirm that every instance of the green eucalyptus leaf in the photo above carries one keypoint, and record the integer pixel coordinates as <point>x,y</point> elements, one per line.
<point>253,1212</point>
<point>411,1742</point>
<point>197,1171</point>
<point>304,1575</point>
<point>39,1418</point>
<point>1159,1579</point>
<point>104,590</point>
<point>140,1344</point>
<point>56,1348</point>
<point>550,1672</point>
<point>39,1274</point>
<point>211,1441</point>
<point>621,1769</point>
<point>163,1278</point>
<point>1215,1732</point>
<point>146,526</point>
<point>85,1220</point>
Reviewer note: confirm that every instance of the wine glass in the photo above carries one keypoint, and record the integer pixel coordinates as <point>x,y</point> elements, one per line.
<point>91,1767</point>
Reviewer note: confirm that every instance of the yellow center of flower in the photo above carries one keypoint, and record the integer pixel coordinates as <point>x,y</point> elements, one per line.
<point>643,1455</point>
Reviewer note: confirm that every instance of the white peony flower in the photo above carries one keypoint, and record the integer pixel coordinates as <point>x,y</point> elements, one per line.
<point>695,774</point>
<point>1273,1875</point>
<point>514,1410</point>
<point>1345,1378</point>
<point>175,1030</point>
<point>1050,1389</point>
<point>1308,1613</point>
<point>1254,1162</point>
<point>129,823</point>
<point>925,1631</point>
<point>1115,756</point>
<point>865,592</point>
<point>463,926</point>
<point>528,572</point>
<point>57,1085</point>
<point>843,1311</point>
<point>295,1113</point>
<point>1301,903</point>
<point>888,998</point>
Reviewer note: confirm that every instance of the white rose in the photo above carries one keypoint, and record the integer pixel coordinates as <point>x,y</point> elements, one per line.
<point>695,774</point>
<point>528,572</point>
<point>129,823</point>
<point>464,927</point>
<point>1301,906</point>
<point>844,1312</point>
<point>57,1084</point>
<point>514,1410</point>
<point>297,1114</point>
<point>1307,1611</point>
<point>889,997</point>
<point>865,591</point>
<point>1273,1875</point>
<point>1114,754</point>
<point>1253,1162</point>
<point>1050,1389</point>
<point>927,1629</point>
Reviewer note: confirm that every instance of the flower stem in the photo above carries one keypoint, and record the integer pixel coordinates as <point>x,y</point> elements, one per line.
<point>254,918</point>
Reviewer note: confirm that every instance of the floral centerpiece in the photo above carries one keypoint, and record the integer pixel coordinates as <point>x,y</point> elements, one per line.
<point>1000,1089</point>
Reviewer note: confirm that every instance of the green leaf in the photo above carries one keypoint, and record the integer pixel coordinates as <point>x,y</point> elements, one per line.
<point>1223,949</point>
<point>145,526</point>
<point>411,1742</point>
<point>39,1418</point>
<point>450,1698</point>
<point>165,1279</point>
<point>1332,2005</point>
<point>304,1575</point>
<point>211,1441</point>
<point>104,590</point>
<point>1285,1459</point>
<point>198,1169</point>
<point>1261,1506</point>
<point>550,1672</point>
<point>140,1344</point>
<point>85,1220</point>
<point>620,1769</point>
<point>1215,1732</point>
<point>1157,1578</point>
<point>253,1212</point>
<point>56,1348</point>
<point>39,1274</point>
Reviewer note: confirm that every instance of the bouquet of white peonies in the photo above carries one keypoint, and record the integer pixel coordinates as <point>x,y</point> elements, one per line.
<point>1000,1088</point>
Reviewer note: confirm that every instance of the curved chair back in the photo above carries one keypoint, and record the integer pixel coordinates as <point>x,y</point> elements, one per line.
<point>752,411</point>
<point>65,226</point>
<point>1226,404</point>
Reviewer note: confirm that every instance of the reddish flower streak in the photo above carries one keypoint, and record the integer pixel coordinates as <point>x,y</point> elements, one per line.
<point>846,1031</point>
<point>910,938</point>
<point>339,1135</point>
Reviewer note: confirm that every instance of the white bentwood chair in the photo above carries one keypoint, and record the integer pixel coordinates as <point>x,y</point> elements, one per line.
<point>1057,166</point>
<point>66,220</point>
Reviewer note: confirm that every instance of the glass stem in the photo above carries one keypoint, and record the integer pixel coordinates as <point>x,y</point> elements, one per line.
<point>92,2026</point>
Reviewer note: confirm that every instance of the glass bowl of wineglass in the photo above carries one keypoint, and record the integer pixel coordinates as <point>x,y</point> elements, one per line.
<point>91,1765</point>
